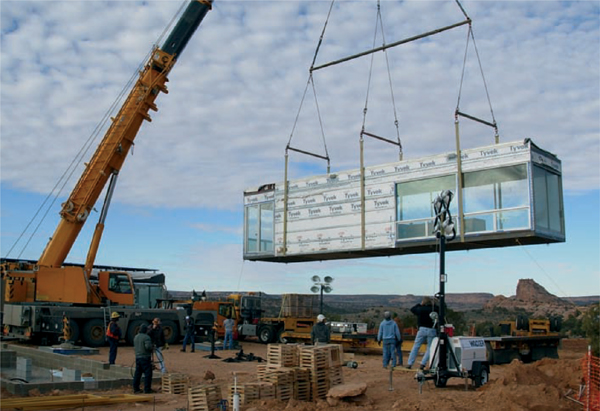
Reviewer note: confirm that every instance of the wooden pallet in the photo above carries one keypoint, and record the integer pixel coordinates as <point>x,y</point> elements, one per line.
<point>249,391</point>
<point>302,390</point>
<point>319,389</point>
<point>175,383</point>
<point>283,355</point>
<point>267,390</point>
<point>279,376</point>
<point>336,355</point>
<point>315,358</point>
<point>336,376</point>
<point>261,371</point>
<point>204,397</point>
<point>284,392</point>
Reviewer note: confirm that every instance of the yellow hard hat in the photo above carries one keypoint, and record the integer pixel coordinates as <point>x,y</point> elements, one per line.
<point>115,315</point>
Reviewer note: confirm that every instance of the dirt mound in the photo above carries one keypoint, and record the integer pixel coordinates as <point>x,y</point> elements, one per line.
<point>536,386</point>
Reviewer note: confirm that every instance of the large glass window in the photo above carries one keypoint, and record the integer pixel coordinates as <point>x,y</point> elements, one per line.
<point>415,205</point>
<point>487,192</point>
<point>548,204</point>
<point>259,228</point>
<point>252,234</point>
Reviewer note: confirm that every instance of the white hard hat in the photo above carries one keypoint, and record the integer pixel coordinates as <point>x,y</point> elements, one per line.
<point>320,318</point>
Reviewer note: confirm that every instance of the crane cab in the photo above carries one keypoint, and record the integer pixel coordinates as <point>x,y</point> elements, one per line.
<point>117,287</point>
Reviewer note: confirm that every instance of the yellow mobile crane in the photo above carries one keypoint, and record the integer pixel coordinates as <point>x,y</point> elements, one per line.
<point>37,295</point>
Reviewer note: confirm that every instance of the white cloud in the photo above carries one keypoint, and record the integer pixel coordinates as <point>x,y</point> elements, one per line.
<point>235,92</point>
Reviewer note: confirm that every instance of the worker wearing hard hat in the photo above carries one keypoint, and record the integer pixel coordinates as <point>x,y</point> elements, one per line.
<point>320,333</point>
<point>113,335</point>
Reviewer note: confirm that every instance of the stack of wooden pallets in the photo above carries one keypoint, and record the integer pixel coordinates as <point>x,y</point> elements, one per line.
<point>175,383</point>
<point>310,370</point>
<point>317,360</point>
<point>204,397</point>
<point>282,379</point>
<point>249,391</point>
<point>302,384</point>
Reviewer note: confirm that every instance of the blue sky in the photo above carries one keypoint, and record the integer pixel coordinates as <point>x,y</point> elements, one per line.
<point>233,99</point>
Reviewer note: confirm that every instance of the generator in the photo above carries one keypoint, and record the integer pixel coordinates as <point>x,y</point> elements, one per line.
<point>466,358</point>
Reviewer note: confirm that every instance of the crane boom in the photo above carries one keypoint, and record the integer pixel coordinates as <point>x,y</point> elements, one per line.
<point>49,280</point>
<point>112,151</point>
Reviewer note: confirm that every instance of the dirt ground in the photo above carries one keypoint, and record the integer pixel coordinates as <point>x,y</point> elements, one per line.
<point>538,386</point>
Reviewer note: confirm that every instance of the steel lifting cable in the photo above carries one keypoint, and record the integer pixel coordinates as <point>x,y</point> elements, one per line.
<point>379,20</point>
<point>59,187</point>
<point>471,36</point>
<point>310,82</point>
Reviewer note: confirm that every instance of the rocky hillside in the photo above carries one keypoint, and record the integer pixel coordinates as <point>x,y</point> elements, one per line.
<point>534,299</point>
<point>530,297</point>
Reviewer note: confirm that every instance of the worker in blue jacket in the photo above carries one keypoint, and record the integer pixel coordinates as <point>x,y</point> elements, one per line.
<point>389,334</point>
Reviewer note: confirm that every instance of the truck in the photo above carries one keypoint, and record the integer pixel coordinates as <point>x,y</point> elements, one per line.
<point>524,339</point>
<point>296,315</point>
<point>38,295</point>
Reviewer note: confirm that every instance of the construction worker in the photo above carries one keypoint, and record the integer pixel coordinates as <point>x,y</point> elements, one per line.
<point>142,344</point>
<point>398,322</point>
<point>320,333</point>
<point>228,324</point>
<point>113,335</point>
<point>190,334</point>
<point>426,331</point>
<point>157,335</point>
<point>389,334</point>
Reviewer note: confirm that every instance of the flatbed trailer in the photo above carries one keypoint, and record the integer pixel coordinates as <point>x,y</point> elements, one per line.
<point>364,343</point>
<point>504,349</point>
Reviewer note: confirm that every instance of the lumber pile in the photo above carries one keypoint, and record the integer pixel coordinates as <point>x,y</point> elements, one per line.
<point>70,401</point>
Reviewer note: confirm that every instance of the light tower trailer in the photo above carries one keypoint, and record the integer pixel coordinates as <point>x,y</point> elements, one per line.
<point>466,358</point>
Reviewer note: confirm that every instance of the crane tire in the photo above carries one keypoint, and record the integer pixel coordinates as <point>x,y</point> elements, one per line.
<point>171,332</point>
<point>93,333</point>
<point>133,329</point>
<point>74,331</point>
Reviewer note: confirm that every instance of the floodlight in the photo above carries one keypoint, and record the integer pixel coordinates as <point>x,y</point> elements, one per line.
<point>327,289</point>
<point>315,289</point>
<point>316,279</point>
<point>328,279</point>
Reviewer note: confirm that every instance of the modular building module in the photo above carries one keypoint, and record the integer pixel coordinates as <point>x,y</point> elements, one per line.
<point>510,194</point>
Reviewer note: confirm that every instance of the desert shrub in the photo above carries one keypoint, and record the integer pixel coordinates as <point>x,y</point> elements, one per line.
<point>591,327</point>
